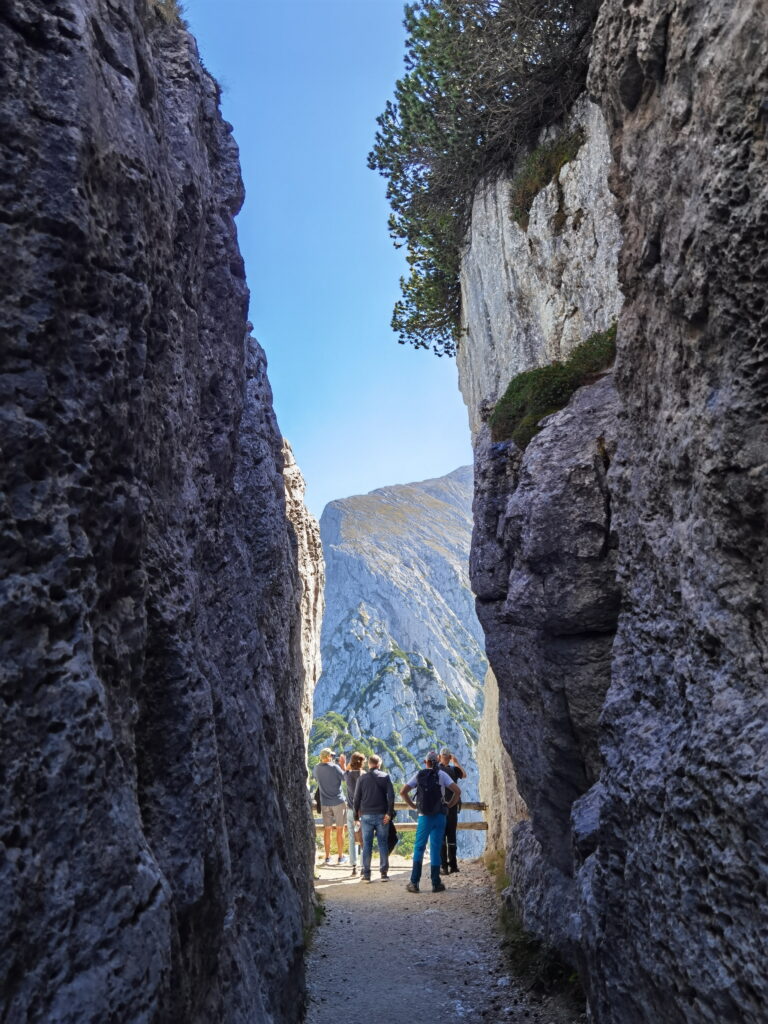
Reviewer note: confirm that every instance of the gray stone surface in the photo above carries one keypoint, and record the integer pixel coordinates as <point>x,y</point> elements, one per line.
<point>676,893</point>
<point>543,568</point>
<point>402,647</point>
<point>529,297</point>
<point>312,574</point>
<point>498,784</point>
<point>155,857</point>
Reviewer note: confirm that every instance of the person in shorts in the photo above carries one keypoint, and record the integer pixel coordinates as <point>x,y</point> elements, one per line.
<point>332,803</point>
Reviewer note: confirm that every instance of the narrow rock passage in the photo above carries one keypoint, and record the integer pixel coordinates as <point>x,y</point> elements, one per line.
<point>382,953</point>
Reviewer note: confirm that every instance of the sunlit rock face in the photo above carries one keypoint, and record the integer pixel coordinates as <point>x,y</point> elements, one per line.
<point>544,548</point>
<point>312,575</point>
<point>156,835</point>
<point>530,296</point>
<point>403,663</point>
<point>675,894</point>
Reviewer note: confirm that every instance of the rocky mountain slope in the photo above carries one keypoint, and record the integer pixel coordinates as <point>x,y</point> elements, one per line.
<point>619,560</point>
<point>152,675</point>
<point>403,662</point>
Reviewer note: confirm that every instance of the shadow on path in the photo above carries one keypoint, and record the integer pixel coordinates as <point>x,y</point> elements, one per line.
<point>384,954</point>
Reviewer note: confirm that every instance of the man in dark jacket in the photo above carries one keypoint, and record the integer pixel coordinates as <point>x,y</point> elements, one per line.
<point>374,805</point>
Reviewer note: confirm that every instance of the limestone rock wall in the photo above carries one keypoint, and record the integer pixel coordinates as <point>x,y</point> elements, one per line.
<point>529,297</point>
<point>498,784</point>
<point>675,895</point>
<point>620,562</point>
<point>312,576</point>
<point>156,840</point>
<point>543,566</point>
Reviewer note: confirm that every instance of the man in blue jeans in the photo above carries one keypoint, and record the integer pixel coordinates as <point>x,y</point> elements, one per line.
<point>374,805</point>
<point>432,786</point>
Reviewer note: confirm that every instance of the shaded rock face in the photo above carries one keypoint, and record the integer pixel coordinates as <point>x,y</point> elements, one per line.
<point>312,575</point>
<point>530,296</point>
<point>403,663</point>
<point>675,895</point>
<point>543,569</point>
<point>156,838</point>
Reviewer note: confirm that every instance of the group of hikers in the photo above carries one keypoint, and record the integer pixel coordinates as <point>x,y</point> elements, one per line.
<point>368,809</point>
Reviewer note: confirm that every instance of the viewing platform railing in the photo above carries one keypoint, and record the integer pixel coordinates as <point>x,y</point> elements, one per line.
<point>410,826</point>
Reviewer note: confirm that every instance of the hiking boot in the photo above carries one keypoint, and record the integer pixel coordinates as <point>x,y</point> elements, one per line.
<point>354,870</point>
<point>327,861</point>
<point>453,870</point>
<point>413,887</point>
<point>384,878</point>
<point>344,859</point>
<point>365,878</point>
<point>438,888</point>
<point>443,871</point>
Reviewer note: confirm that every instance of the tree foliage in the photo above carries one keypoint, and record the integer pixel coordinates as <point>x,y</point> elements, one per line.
<point>482,77</point>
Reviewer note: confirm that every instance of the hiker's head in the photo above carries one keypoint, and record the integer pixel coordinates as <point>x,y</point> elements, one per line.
<point>374,761</point>
<point>431,759</point>
<point>445,755</point>
<point>356,761</point>
<point>326,754</point>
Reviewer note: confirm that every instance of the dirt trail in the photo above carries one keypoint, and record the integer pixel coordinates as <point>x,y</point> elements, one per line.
<point>382,953</point>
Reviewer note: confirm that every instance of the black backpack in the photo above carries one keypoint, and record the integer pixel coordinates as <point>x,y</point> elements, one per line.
<point>429,792</point>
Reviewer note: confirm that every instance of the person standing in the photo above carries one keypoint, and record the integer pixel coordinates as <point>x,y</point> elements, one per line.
<point>332,803</point>
<point>374,806</point>
<point>431,785</point>
<point>351,777</point>
<point>448,863</point>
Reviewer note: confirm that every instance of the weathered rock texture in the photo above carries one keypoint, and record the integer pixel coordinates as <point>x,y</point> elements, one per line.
<point>312,575</point>
<point>642,761</point>
<point>676,894</point>
<point>498,784</point>
<point>543,568</point>
<point>529,297</point>
<point>403,664</point>
<point>156,838</point>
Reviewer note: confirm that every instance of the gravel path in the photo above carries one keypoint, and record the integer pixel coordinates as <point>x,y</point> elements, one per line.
<point>382,953</point>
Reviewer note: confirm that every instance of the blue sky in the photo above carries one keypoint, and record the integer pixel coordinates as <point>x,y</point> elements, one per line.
<point>303,82</point>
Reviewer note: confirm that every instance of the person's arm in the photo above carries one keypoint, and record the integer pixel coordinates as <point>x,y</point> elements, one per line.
<point>456,794</point>
<point>357,798</point>
<point>404,793</point>
<point>462,773</point>
<point>390,800</point>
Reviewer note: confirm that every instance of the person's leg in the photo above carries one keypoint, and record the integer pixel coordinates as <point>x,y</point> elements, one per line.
<point>340,841</point>
<point>436,836</point>
<point>444,854</point>
<point>382,837</point>
<point>351,837</point>
<point>327,841</point>
<point>420,844</point>
<point>368,825</point>
<point>449,846</point>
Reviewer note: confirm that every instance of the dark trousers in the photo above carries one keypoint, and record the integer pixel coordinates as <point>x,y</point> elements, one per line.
<point>448,849</point>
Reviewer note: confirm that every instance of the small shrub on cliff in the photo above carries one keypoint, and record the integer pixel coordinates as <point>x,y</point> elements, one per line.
<point>169,10</point>
<point>482,78</point>
<point>534,394</point>
<point>540,168</point>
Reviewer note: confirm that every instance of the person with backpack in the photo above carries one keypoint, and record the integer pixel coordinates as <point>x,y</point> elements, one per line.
<point>448,862</point>
<point>374,805</point>
<point>431,785</point>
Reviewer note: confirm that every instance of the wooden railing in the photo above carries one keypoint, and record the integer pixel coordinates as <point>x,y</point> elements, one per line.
<point>410,826</point>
